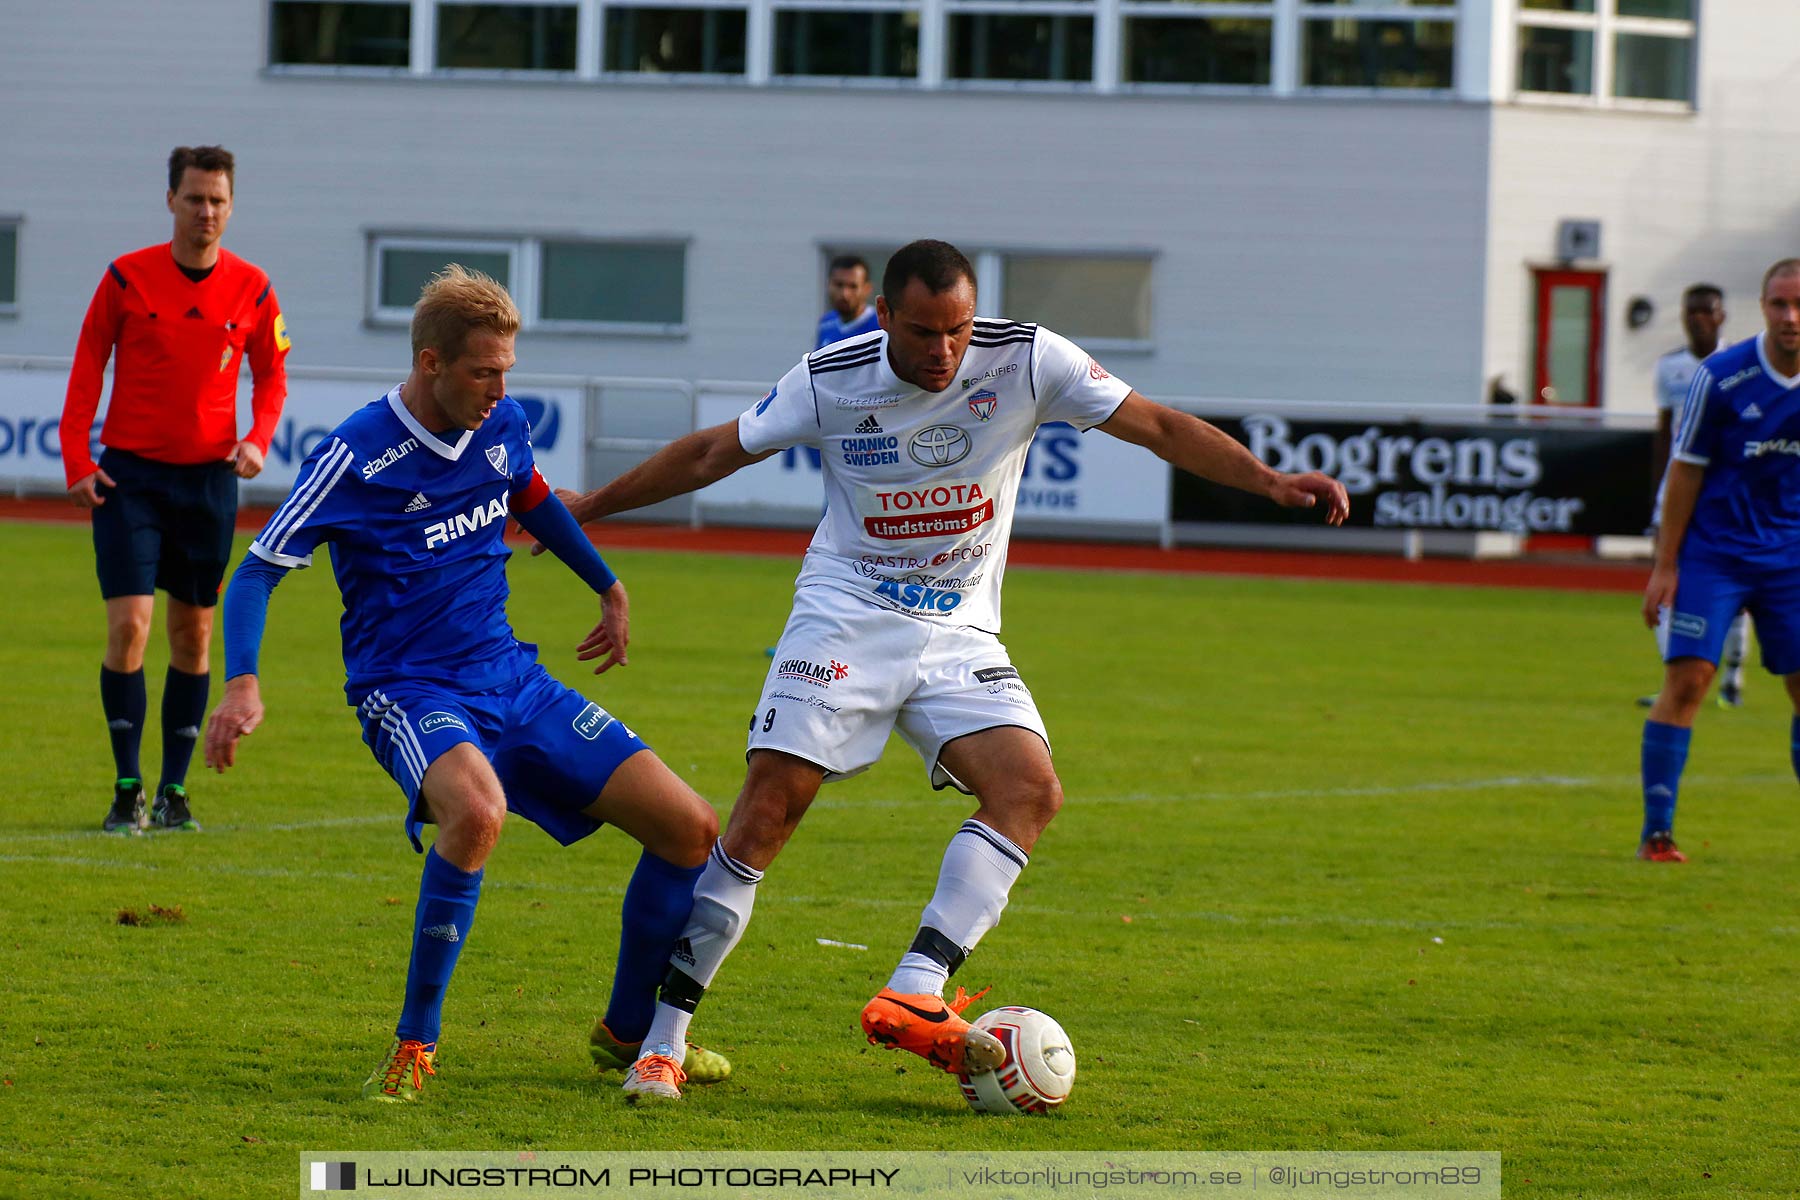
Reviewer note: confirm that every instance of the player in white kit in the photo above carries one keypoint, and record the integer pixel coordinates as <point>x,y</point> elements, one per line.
<point>923,428</point>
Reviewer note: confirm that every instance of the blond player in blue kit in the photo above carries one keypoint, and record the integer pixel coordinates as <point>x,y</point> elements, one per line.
<point>412,493</point>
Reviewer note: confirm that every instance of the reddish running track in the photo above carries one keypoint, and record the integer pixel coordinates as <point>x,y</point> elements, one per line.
<point>1576,573</point>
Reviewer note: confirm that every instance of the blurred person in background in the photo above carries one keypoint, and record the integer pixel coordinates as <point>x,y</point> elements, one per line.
<point>847,287</point>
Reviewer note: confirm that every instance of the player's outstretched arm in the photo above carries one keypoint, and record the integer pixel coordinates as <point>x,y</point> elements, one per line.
<point>685,465</point>
<point>1681,490</point>
<point>246,611</point>
<point>1199,448</point>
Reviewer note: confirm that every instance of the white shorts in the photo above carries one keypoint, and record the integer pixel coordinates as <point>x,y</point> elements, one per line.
<point>847,673</point>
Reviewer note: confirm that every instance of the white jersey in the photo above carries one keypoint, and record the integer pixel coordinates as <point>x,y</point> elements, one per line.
<point>1674,375</point>
<point>920,486</point>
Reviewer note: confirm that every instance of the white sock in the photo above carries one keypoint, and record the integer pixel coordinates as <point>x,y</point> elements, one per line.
<point>1737,649</point>
<point>919,975</point>
<point>723,898</point>
<point>980,865</point>
<point>668,1032</point>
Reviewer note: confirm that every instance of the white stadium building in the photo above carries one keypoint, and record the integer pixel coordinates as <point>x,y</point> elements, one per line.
<point>1366,206</point>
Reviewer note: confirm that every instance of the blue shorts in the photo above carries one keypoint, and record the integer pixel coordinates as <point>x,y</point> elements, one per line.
<point>1708,596</point>
<point>164,525</point>
<point>552,747</point>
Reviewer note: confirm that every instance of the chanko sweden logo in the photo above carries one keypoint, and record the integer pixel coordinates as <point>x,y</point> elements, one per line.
<point>939,446</point>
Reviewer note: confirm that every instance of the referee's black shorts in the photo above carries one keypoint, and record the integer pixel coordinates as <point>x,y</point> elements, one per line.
<point>164,525</point>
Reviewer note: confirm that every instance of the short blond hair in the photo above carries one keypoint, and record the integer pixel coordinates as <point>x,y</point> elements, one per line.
<point>455,303</point>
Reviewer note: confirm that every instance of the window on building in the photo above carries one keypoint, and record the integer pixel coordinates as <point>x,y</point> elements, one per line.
<point>1378,44</point>
<point>1607,50</point>
<point>1103,299</point>
<point>1556,60</point>
<point>1209,44</point>
<point>1038,46</point>
<point>506,37</point>
<point>1631,49</point>
<point>818,41</point>
<point>1090,299</point>
<point>305,33</point>
<point>663,41</point>
<point>404,265</point>
<point>629,285</point>
<point>613,283</point>
<point>9,266</point>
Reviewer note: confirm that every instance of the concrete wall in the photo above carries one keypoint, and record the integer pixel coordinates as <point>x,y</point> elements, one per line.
<point>1306,248</point>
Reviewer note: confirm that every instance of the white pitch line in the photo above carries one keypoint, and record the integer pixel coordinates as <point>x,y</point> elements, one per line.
<point>957,799</point>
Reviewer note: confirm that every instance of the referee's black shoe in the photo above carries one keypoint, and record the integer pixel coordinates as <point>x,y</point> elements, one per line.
<point>171,809</point>
<point>127,812</point>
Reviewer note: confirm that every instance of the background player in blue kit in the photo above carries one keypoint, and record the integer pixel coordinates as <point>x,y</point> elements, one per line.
<point>1730,540</point>
<point>847,287</point>
<point>413,492</point>
<point>1702,316</point>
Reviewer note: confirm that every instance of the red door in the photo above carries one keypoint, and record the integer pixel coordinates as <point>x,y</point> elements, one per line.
<point>1567,345</point>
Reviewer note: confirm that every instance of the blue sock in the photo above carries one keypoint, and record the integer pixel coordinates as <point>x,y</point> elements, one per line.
<point>122,700</point>
<point>441,924</point>
<point>657,902</point>
<point>183,712</point>
<point>1664,755</point>
<point>1794,745</point>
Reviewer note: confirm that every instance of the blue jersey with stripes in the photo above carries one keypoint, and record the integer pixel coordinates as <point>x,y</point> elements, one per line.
<point>415,526</point>
<point>833,328</point>
<point>1741,422</point>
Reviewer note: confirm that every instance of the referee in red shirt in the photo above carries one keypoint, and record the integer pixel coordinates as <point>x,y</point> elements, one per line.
<point>181,317</point>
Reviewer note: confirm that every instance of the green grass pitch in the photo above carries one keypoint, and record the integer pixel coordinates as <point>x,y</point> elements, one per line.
<point>1342,866</point>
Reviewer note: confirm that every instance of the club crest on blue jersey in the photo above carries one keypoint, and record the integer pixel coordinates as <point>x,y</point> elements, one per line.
<point>496,455</point>
<point>982,404</point>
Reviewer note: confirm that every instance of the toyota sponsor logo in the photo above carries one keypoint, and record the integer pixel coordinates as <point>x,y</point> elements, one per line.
<point>938,446</point>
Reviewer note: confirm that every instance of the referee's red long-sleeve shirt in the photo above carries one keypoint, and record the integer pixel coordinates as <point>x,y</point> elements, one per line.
<point>179,345</point>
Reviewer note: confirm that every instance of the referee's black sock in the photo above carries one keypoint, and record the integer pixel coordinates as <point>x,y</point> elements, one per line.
<point>183,711</point>
<point>122,700</point>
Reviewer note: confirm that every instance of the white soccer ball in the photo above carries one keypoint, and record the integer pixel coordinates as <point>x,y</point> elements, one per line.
<point>1039,1069</point>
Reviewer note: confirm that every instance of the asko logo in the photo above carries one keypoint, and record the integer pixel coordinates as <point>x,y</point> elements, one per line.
<point>440,533</point>
<point>919,598</point>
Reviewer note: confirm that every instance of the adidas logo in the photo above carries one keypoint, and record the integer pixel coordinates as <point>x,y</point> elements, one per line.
<point>870,425</point>
<point>120,723</point>
<point>1751,412</point>
<point>1658,790</point>
<point>418,503</point>
<point>684,951</point>
<point>445,933</point>
<point>195,314</point>
<point>190,732</point>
